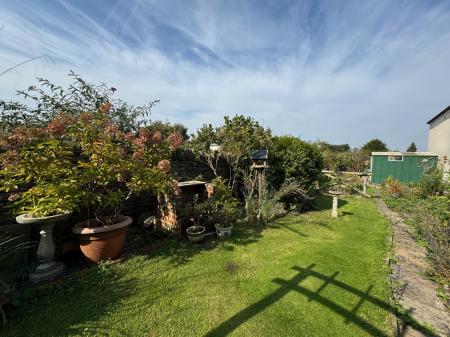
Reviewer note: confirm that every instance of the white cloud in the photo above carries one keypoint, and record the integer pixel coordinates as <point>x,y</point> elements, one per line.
<point>343,73</point>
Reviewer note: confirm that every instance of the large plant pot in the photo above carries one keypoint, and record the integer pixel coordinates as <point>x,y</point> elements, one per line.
<point>102,242</point>
<point>196,233</point>
<point>223,231</point>
<point>47,268</point>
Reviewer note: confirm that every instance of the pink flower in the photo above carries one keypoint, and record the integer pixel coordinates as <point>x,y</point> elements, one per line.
<point>129,137</point>
<point>175,140</point>
<point>146,136</point>
<point>56,128</point>
<point>157,137</point>
<point>112,130</point>
<point>105,107</point>
<point>86,117</point>
<point>138,154</point>
<point>164,165</point>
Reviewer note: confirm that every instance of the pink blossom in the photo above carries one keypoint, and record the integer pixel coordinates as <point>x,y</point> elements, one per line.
<point>175,140</point>
<point>86,117</point>
<point>105,107</point>
<point>146,136</point>
<point>129,136</point>
<point>112,130</point>
<point>164,165</point>
<point>56,128</point>
<point>157,137</point>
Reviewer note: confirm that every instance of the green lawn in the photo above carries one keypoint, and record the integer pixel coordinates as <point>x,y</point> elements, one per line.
<point>304,275</point>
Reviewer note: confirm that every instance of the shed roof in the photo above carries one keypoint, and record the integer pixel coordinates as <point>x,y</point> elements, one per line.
<point>439,115</point>
<point>412,154</point>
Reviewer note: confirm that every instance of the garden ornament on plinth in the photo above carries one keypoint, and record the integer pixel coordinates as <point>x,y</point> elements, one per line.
<point>47,268</point>
<point>334,211</point>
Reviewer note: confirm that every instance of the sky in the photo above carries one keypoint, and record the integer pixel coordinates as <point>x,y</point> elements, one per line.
<point>338,71</point>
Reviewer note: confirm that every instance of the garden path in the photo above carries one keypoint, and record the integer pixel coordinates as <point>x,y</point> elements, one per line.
<point>413,290</point>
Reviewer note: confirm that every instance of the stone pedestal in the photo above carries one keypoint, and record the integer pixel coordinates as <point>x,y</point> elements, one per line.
<point>334,210</point>
<point>47,268</point>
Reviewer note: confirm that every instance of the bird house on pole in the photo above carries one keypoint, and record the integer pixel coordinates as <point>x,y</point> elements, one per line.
<point>260,162</point>
<point>260,159</point>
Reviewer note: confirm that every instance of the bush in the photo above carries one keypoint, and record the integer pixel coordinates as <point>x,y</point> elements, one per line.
<point>393,186</point>
<point>430,218</point>
<point>432,183</point>
<point>292,158</point>
<point>220,208</point>
<point>275,203</point>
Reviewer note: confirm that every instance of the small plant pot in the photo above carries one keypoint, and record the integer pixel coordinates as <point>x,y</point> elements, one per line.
<point>102,242</point>
<point>195,233</point>
<point>223,231</point>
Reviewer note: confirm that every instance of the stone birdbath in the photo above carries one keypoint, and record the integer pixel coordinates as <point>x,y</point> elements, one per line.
<point>364,177</point>
<point>335,195</point>
<point>47,267</point>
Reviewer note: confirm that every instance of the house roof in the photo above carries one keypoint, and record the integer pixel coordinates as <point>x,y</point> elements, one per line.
<point>396,153</point>
<point>439,115</point>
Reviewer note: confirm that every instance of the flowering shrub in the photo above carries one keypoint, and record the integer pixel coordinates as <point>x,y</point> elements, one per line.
<point>83,160</point>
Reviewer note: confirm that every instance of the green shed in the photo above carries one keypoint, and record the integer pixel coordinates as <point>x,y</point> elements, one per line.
<point>404,166</point>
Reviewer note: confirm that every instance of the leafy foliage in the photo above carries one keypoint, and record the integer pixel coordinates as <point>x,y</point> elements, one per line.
<point>374,145</point>
<point>221,207</point>
<point>93,154</point>
<point>292,158</point>
<point>432,183</point>
<point>49,100</point>
<point>237,137</point>
<point>430,218</point>
<point>393,186</point>
<point>167,128</point>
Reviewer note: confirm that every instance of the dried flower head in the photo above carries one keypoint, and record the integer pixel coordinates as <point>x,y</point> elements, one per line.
<point>175,140</point>
<point>105,107</point>
<point>157,137</point>
<point>164,165</point>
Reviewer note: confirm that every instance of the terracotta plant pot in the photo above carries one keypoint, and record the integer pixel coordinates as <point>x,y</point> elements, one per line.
<point>102,242</point>
<point>196,233</point>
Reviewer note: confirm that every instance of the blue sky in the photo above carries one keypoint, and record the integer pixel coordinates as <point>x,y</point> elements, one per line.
<point>340,71</point>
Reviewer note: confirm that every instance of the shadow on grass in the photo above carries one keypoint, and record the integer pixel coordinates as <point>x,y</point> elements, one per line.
<point>325,201</point>
<point>350,316</point>
<point>180,252</point>
<point>76,307</point>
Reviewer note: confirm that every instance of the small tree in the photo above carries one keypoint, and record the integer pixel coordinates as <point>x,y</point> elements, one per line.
<point>412,148</point>
<point>237,137</point>
<point>375,145</point>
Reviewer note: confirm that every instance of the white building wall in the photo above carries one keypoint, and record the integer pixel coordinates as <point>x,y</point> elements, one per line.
<point>439,140</point>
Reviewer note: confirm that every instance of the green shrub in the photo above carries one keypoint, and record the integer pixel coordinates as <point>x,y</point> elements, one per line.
<point>432,183</point>
<point>292,158</point>
<point>430,218</point>
<point>220,208</point>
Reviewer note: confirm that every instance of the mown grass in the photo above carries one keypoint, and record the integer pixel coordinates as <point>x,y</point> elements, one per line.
<point>255,284</point>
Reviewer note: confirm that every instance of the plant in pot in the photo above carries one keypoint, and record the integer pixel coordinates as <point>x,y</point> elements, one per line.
<point>220,210</point>
<point>39,160</point>
<point>111,166</point>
